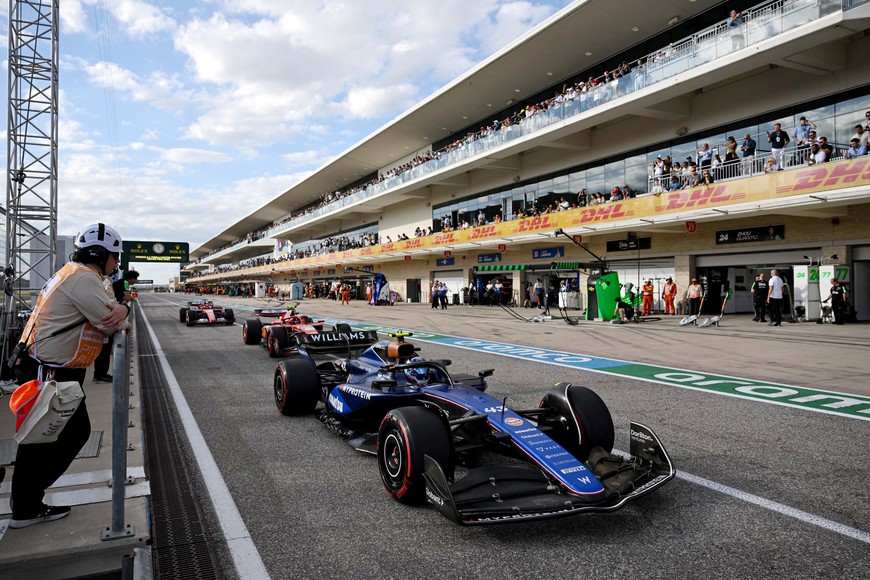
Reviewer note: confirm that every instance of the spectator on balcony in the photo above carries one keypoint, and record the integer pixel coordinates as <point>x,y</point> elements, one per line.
<point>730,150</point>
<point>856,149</point>
<point>771,165</point>
<point>862,136</point>
<point>735,21</point>
<point>801,136</point>
<point>707,177</point>
<point>816,155</point>
<point>866,120</point>
<point>692,178</point>
<point>826,147</point>
<point>778,140</point>
<point>716,166</point>
<point>676,183</point>
<point>705,156</point>
<point>616,194</point>
<point>582,198</point>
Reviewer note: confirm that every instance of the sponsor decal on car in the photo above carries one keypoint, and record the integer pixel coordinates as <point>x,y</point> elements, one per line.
<point>434,498</point>
<point>575,469</point>
<point>336,403</point>
<point>513,421</point>
<point>356,392</point>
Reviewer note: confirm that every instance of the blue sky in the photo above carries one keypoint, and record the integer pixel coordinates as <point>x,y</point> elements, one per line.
<point>179,117</point>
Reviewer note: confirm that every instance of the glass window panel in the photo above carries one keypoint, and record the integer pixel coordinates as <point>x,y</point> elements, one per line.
<point>561,183</point>
<point>595,184</point>
<point>845,128</point>
<point>636,160</point>
<point>614,179</point>
<point>596,171</point>
<point>614,166</point>
<point>858,105</point>
<point>577,183</point>
<point>636,178</point>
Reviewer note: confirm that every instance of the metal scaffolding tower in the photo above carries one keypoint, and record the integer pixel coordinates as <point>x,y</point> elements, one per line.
<point>31,186</point>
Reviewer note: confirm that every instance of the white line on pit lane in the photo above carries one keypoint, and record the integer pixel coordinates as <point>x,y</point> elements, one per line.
<point>244,553</point>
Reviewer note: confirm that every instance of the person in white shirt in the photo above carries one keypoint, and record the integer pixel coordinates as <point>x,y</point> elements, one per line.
<point>774,298</point>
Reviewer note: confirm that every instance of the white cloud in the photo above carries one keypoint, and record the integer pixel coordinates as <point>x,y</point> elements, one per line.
<point>139,18</point>
<point>190,156</point>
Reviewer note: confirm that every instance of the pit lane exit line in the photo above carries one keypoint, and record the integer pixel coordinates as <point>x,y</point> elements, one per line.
<point>819,401</point>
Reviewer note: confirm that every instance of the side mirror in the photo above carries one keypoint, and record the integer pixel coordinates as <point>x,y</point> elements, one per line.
<point>486,373</point>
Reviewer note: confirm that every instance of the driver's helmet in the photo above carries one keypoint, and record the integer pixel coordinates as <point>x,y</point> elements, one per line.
<point>418,375</point>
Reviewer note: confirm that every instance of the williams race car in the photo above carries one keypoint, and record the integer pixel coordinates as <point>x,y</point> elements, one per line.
<point>278,329</point>
<point>422,422</point>
<point>201,312</point>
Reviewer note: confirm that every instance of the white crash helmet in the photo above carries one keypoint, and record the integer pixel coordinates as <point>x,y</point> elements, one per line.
<point>99,235</point>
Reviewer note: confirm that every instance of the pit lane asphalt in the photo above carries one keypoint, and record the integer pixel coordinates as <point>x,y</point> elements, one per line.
<point>316,508</point>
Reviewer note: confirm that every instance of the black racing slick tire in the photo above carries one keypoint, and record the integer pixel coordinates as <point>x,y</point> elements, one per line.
<point>296,387</point>
<point>182,315</point>
<point>407,435</point>
<point>583,421</point>
<point>252,331</point>
<point>343,327</point>
<point>191,318</point>
<point>229,316</point>
<point>278,341</point>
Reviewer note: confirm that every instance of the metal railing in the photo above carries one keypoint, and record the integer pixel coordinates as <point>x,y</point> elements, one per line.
<point>122,352</point>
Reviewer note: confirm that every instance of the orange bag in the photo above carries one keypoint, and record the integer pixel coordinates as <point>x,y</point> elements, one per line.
<point>23,399</point>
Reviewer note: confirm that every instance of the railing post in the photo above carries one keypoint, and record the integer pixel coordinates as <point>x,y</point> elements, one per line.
<point>120,414</point>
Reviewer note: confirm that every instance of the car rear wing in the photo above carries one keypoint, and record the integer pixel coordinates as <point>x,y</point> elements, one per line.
<point>270,312</point>
<point>338,341</point>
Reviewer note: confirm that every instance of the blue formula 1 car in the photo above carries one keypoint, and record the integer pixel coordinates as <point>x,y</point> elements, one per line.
<point>423,423</point>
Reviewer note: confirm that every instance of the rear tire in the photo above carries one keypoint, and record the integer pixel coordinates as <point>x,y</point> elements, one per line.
<point>229,316</point>
<point>252,331</point>
<point>406,435</point>
<point>182,315</point>
<point>278,341</point>
<point>296,387</point>
<point>343,327</point>
<point>587,422</point>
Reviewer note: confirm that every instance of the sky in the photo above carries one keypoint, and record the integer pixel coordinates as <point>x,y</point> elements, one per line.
<point>179,117</point>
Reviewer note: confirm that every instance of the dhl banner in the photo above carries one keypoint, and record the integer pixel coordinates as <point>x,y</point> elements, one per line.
<point>818,178</point>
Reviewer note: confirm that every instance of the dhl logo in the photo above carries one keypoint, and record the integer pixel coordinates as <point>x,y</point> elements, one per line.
<point>483,232</point>
<point>840,174</point>
<point>441,239</point>
<point>367,251</point>
<point>698,198</point>
<point>387,247</point>
<point>538,223</point>
<point>411,244</point>
<point>601,213</point>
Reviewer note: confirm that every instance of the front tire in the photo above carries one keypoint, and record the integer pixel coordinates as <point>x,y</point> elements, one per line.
<point>583,422</point>
<point>182,315</point>
<point>407,435</point>
<point>252,331</point>
<point>191,318</point>
<point>296,387</point>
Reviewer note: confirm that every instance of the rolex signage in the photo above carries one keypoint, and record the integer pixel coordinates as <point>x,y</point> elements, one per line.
<point>156,252</point>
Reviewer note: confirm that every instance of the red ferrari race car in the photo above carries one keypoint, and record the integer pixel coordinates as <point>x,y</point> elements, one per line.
<point>278,328</point>
<point>202,312</point>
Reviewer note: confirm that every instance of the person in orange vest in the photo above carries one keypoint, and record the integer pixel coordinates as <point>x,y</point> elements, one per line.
<point>345,294</point>
<point>369,293</point>
<point>669,292</point>
<point>647,293</point>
